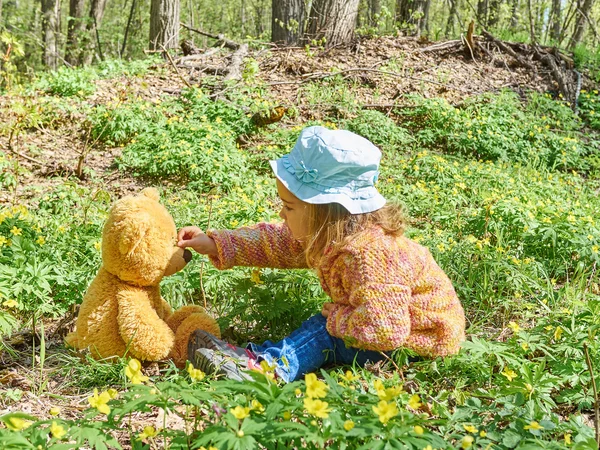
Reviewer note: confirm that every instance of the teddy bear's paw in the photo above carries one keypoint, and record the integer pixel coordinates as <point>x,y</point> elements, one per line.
<point>177,318</point>
<point>196,321</point>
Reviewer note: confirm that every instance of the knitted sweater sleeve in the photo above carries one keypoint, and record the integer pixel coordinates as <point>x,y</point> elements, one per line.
<point>376,316</point>
<point>261,245</point>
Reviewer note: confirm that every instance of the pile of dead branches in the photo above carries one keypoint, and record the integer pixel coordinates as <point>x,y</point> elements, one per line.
<point>538,59</point>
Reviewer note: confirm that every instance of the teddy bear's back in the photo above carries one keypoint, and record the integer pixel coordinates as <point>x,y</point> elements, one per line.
<point>97,324</point>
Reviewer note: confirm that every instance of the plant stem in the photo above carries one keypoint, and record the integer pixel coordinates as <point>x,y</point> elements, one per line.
<point>596,406</point>
<point>210,206</point>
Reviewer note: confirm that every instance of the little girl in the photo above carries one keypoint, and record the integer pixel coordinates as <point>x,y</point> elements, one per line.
<point>387,291</point>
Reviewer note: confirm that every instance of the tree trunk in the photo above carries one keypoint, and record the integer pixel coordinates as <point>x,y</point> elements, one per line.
<point>286,22</point>
<point>164,24</point>
<point>583,13</point>
<point>413,14</point>
<point>556,19</point>
<point>374,10</point>
<point>482,12</point>
<point>332,21</point>
<point>90,41</point>
<point>493,12</point>
<point>75,30</point>
<point>452,17</point>
<point>514,15</point>
<point>49,28</point>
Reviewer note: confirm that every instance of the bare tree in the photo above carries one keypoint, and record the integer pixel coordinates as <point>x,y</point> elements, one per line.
<point>332,21</point>
<point>50,11</point>
<point>164,24</point>
<point>583,16</point>
<point>75,29</point>
<point>287,21</point>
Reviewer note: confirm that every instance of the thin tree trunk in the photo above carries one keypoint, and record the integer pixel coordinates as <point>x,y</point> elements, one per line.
<point>514,16</point>
<point>164,24</point>
<point>332,22</point>
<point>482,12</point>
<point>555,23</point>
<point>75,29</point>
<point>129,19</point>
<point>286,21</point>
<point>582,14</point>
<point>49,25</point>
<point>451,18</point>
<point>493,12</point>
<point>97,8</point>
<point>424,19</point>
<point>531,24</point>
<point>374,11</point>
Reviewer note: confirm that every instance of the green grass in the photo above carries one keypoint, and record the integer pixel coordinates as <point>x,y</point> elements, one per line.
<point>502,192</point>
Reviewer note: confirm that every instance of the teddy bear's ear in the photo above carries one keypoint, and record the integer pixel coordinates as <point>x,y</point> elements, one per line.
<point>132,233</point>
<point>151,193</point>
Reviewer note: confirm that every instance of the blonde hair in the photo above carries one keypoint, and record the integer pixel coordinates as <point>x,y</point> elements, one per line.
<point>331,225</point>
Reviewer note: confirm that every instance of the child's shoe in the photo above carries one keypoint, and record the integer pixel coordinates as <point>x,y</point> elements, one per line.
<point>212,355</point>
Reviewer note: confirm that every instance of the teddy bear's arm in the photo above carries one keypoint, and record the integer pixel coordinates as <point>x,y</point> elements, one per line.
<point>146,335</point>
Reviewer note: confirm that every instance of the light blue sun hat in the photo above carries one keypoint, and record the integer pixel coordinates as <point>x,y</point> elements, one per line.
<point>332,166</point>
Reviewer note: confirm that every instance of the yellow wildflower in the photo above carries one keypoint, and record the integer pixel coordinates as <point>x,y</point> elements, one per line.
<point>97,245</point>
<point>149,432</point>
<point>470,429</point>
<point>390,393</point>
<point>567,437</point>
<point>509,374</point>
<point>3,241</point>
<point>558,333</point>
<point>54,411</point>
<point>16,231</point>
<point>287,415</point>
<point>257,406</point>
<point>315,388</point>
<point>41,240</point>
<point>418,429</point>
<point>100,401</point>
<point>317,408</point>
<point>533,425</point>
<point>385,411</point>
<point>133,371</point>
<point>57,430</point>
<point>466,442</point>
<point>349,377</point>
<point>514,327</point>
<point>414,402</point>
<point>10,303</point>
<point>482,433</point>
<point>255,277</point>
<point>240,412</point>
<point>17,424</point>
<point>524,346</point>
<point>348,425</point>
<point>195,374</point>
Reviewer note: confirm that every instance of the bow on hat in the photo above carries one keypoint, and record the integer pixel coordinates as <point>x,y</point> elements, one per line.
<point>301,172</point>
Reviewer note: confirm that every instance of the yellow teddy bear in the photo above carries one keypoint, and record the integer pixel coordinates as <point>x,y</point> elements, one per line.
<point>122,311</point>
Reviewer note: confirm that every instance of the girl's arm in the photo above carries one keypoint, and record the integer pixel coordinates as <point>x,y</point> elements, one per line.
<point>261,245</point>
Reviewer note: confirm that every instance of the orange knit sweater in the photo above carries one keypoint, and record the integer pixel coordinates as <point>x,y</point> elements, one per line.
<point>388,291</point>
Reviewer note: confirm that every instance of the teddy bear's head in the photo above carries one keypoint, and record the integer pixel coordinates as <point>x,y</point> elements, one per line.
<point>139,240</point>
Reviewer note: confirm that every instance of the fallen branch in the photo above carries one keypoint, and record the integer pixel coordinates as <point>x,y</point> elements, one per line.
<point>442,46</point>
<point>234,70</point>
<point>219,37</point>
<point>187,83</point>
<point>508,50</point>
<point>558,75</point>
<point>197,56</point>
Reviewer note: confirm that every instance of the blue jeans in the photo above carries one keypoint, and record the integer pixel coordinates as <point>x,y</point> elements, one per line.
<point>308,348</point>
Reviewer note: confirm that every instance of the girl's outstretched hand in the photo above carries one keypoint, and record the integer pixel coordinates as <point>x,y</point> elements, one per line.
<point>327,307</point>
<point>195,238</point>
